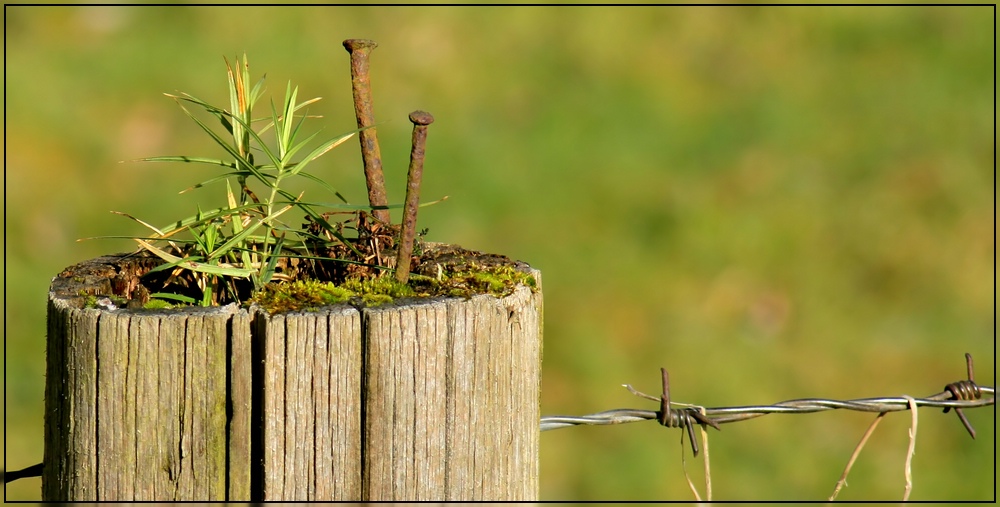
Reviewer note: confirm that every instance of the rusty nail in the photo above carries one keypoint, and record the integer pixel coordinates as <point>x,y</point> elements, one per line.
<point>360,49</point>
<point>420,119</point>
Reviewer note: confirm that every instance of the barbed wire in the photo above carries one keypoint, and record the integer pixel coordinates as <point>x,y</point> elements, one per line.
<point>955,396</point>
<point>742,413</point>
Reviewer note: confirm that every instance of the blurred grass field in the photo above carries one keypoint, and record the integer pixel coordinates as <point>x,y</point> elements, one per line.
<point>772,203</point>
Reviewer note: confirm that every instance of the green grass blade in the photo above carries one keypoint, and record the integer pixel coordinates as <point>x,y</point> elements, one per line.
<point>147,238</point>
<point>298,127</point>
<point>268,272</point>
<point>346,261</point>
<point>231,200</point>
<point>356,207</point>
<point>263,146</point>
<point>257,89</point>
<point>189,160</point>
<point>186,263</point>
<point>234,104</point>
<point>243,162</point>
<point>294,149</point>
<point>276,120</point>
<point>238,104</point>
<point>173,297</point>
<point>246,258</point>
<point>300,106</point>
<point>126,215</point>
<point>224,176</point>
<point>306,103</point>
<point>322,149</point>
<point>173,264</point>
<point>219,113</point>
<point>187,97</point>
<point>329,228</point>
<point>207,216</point>
<point>324,184</point>
<point>287,119</point>
<point>238,239</point>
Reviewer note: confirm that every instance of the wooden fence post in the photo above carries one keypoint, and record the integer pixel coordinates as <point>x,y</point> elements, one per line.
<point>451,399</point>
<point>137,405</point>
<point>311,413</point>
<point>421,400</point>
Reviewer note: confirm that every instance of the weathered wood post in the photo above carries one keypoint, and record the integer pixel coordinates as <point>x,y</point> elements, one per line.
<point>419,400</point>
<point>451,399</point>
<point>143,405</point>
<point>310,405</point>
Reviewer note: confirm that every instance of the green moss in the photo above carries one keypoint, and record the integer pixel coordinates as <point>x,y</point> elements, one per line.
<point>381,285</point>
<point>90,300</point>
<point>376,299</point>
<point>496,280</point>
<point>157,304</point>
<point>309,295</point>
<point>301,295</point>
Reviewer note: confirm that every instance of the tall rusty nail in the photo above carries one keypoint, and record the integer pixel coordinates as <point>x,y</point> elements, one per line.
<point>361,85</point>
<point>420,119</point>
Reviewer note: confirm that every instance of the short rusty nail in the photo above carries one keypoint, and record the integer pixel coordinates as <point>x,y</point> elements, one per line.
<point>360,49</point>
<point>420,119</point>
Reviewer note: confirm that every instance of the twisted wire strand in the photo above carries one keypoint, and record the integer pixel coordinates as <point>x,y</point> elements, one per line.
<point>968,393</point>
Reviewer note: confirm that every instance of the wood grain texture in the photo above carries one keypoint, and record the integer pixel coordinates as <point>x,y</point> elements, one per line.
<point>240,387</point>
<point>452,399</point>
<point>53,478</point>
<point>312,405</point>
<point>136,404</point>
<point>71,428</point>
<point>405,432</point>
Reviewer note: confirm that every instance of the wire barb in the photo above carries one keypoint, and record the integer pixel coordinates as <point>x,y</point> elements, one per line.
<point>964,390</point>
<point>679,418</point>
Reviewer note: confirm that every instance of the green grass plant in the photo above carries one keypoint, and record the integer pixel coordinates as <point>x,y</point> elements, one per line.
<point>245,239</point>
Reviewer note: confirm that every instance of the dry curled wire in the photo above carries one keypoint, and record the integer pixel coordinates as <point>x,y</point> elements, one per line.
<point>956,395</point>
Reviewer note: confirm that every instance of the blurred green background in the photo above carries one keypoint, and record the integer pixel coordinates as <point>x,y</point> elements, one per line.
<point>772,203</point>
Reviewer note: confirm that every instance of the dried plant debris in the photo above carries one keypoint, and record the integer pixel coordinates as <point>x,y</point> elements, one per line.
<point>129,281</point>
